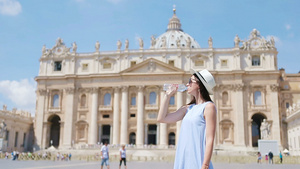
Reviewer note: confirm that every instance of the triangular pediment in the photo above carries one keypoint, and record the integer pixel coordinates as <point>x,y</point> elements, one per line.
<point>152,66</point>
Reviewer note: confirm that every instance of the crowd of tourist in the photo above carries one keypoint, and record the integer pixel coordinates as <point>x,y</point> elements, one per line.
<point>15,155</point>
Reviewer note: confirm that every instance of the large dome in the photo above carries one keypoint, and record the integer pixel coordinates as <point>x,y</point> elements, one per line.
<point>174,37</point>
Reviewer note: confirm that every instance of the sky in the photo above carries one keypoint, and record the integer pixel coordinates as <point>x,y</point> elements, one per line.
<point>25,26</point>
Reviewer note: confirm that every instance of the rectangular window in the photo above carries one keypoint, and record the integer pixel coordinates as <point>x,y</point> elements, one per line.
<point>132,115</point>
<point>171,62</point>
<point>105,116</point>
<point>223,63</point>
<point>199,63</point>
<point>57,66</point>
<point>16,139</point>
<point>106,65</point>
<point>255,61</point>
<point>132,63</point>
<point>286,87</point>
<point>287,105</point>
<point>85,66</point>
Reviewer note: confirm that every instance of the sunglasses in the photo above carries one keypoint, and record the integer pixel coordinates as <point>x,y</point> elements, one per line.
<point>190,81</point>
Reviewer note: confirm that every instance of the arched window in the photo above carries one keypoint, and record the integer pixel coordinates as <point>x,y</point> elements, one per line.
<point>133,100</point>
<point>152,98</point>
<point>224,98</point>
<point>257,98</point>
<point>171,138</point>
<point>107,99</point>
<point>172,100</point>
<point>83,100</point>
<point>55,101</point>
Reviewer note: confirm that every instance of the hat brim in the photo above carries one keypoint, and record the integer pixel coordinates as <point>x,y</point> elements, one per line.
<point>208,88</point>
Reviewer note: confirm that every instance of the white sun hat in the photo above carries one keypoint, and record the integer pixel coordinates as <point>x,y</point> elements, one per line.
<point>206,78</point>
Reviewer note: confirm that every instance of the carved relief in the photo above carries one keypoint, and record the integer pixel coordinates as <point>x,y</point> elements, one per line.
<point>70,90</point>
<point>238,87</point>
<point>151,66</point>
<point>274,87</point>
<point>42,91</point>
<point>94,90</point>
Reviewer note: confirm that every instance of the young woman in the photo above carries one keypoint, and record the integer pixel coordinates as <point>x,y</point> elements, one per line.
<point>197,132</point>
<point>122,156</point>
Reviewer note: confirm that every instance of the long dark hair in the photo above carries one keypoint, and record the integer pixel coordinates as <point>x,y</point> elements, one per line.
<point>203,91</point>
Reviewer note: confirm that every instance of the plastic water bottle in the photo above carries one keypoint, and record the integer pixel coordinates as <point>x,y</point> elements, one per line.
<point>180,87</point>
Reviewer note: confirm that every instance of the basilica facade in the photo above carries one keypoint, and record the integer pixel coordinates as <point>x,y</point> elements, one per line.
<point>114,96</point>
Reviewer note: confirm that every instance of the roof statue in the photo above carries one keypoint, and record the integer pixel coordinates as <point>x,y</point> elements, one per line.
<point>97,46</point>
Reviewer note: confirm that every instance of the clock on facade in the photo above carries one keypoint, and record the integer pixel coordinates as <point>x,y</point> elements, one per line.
<point>58,50</point>
<point>255,43</point>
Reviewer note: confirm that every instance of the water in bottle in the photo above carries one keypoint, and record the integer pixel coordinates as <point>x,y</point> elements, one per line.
<point>180,87</point>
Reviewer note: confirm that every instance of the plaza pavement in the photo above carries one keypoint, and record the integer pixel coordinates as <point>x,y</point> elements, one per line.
<point>76,164</point>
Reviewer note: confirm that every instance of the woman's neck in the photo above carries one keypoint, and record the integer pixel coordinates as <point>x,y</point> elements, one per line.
<point>199,99</point>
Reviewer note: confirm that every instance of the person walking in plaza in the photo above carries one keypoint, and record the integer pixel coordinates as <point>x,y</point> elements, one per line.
<point>104,156</point>
<point>280,156</point>
<point>197,132</point>
<point>123,156</point>
<point>266,158</point>
<point>259,157</point>
<point>270,157</point>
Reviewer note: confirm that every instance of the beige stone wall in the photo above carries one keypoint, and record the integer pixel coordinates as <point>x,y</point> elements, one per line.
<point>19,126</point>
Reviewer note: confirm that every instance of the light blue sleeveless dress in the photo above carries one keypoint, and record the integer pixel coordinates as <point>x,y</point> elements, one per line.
<point>191,144</point>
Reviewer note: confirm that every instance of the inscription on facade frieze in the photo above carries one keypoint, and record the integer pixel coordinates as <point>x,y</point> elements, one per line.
<point>163,78</point>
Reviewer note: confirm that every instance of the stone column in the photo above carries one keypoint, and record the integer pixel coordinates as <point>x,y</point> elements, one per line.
<point>40,118</point>
<point>93,121</point>
<point>163,128</point>
<point>146,134</point>
<point>124,116</point>
<point>69,115</point>
<point>110,134</point>
<point>140,117</point>
<point>179,104</point>
<point>275,127</point>
<point>239,129</point>
<point>157,133</point>
<point>116,120</point>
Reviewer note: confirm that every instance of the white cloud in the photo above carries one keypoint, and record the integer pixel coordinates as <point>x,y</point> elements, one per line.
<point>21,93</point>
<point>288,27</point>
<point>10,7</point>
<point>115,1</point>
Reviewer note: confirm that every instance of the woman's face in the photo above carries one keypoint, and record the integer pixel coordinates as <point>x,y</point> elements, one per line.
<point>192,85</point>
